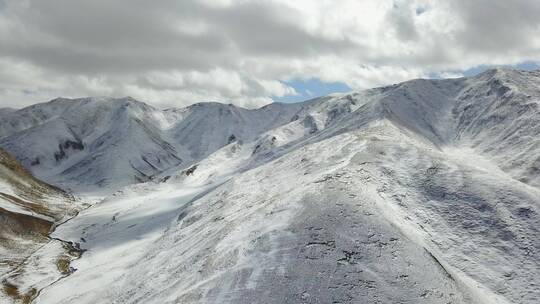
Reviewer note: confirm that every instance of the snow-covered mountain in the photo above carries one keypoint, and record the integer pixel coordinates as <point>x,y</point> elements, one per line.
<point>110,143</point>
<point>426,191</point>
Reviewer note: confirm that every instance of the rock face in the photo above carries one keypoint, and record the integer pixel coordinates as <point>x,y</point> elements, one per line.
<point>426,191</point>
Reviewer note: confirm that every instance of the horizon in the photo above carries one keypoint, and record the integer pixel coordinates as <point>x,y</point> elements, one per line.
<point>251,53</point>
<point>468,74</point>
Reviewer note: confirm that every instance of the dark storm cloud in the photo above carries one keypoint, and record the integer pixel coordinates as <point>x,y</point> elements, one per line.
<point>402,19</point>
<point>108,36</point>
<point>498,26</point>
<point>126,36</point>
<point>271,29</point>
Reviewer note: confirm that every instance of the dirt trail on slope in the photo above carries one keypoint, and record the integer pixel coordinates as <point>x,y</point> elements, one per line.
<point>71,251</point>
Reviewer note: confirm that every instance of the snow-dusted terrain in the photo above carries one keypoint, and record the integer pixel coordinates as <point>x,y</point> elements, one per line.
<point>29,210</point>
<point>426,191</point>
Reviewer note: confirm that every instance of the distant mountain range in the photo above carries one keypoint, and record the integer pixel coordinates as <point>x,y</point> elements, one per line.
<point>114,142</point>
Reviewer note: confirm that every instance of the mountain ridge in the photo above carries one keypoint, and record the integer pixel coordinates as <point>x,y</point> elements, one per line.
<point>435,109</point>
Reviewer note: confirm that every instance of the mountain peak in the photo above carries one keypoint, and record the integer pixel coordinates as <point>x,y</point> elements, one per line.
<point>500,72</point>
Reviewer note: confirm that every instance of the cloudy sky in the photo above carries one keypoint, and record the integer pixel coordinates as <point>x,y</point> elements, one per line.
<point>251,52</point>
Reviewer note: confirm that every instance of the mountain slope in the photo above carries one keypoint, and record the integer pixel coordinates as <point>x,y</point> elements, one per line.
<point>500,118</point>
<point>335,220</point>
<point>496,114</point>
<point>421,192</point>
<point>29,210</point>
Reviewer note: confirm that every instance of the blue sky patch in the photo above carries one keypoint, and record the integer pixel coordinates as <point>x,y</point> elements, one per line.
<point>308,89</point>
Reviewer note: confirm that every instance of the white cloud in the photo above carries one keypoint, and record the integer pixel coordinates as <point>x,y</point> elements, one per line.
<point>181,52</point>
